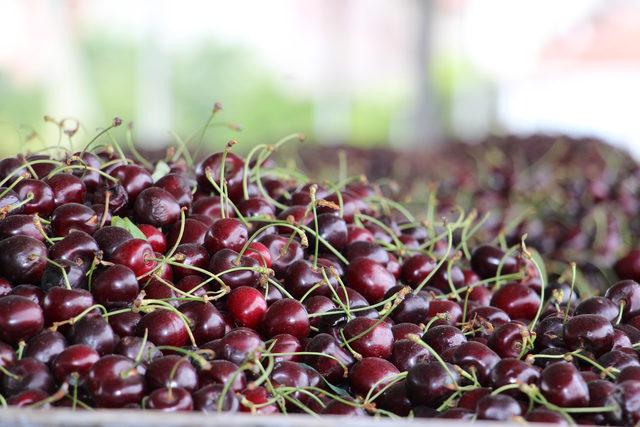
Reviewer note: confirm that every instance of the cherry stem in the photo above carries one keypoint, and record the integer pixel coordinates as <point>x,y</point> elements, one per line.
<point>9,374</point>
<point>60,394</point>
<point>132,148</point>
<point>75,319</point>
<point>98,171</point>
<point>573,282</point>
<point>115,123</point>
<point>416,339</point>
<point>303,238</point>
<point>438,265</point>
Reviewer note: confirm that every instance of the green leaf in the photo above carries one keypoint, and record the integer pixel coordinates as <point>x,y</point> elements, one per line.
<point>128,225</point>
<point>161,170</point>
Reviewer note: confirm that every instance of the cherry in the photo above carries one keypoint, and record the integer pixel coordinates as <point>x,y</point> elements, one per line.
<point>114,382</point>
<point>562,385</point>
<point>257,396</point>
<point>227,259</point>
<point>238,344</point>
<point>477,358</point>
<point>628,267</point>
<point>205,320</point>
<point>27,374</point>
<point>124,324</point>
<point>133,179</point>
<point>208,397</point>
<point>112,198</point>
<point>549,332</point>
<point>53,276</point>
<point>109,238</point>
<point>137,254</point>
<point>90,178</point>
<point>402,330</point>
<point>164,328</point>
<point>194,232</point>
<point>155,289</point>
<point>76,359</point>
<point>223,372</point>
<point>283,252</point>
<point>20,225</point>
<point>22,259</point>
<point>457,414</point>
<point>369,337</point>
<point>406,353</point>
<point>486,259</point>
<point>358,234</point>
<point>290,374</point>
<point>179,186</point>
<point>318,304</point>
<point>20,319</point>
<point>5,287</point>
<point>45,346</point>
<point>28,398</point>
<point>211,167</point>
<point>190,254</point>
<point>192,284</point>
<point>116,286</point>
<point>443,337</point>
<point>371,373</point>
<point>518,301</point>
<point>470,398</point>
<point>157,207</point>
<point>260,253</point>
<point>66,188</point>
<point>499,407</point>
<point>507,339</point>
<point>73,217</point>
<point>513,371</point>
<point>31,292</point>
<point>210,207</point>
<point>371,251</point>
<point>598,305</point>
<point>10,201</point>
<point>627,396</point>
<point>412,309</point>
<point>171,371</point>
<point>131,347</point>
<point>430,382</point>
<point>11,166</point>
<point>450,309</point>
<point>170,399</point>
<point>42,202</point>
<point>7,355</point>
<point>590,331</point>
<point>331,368</point>
<point>369,278</point>
<point>154,236</point>
<point>626,292</point>
<point>61,304</point>
<point>542,415</point>
<point>247,306</point>
<point>256,206</point>
<point>226,233</point>
<point>286,316</point>
<point>95,332</point>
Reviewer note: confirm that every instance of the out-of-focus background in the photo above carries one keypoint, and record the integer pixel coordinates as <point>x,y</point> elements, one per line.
<point>364,72</point>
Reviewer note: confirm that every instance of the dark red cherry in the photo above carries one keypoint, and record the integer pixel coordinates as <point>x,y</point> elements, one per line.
<point>211,208</point>
<point>369,278</point>
<point>134,347</point>
<point>223,372</point>
<point>256,206</point>
<point>7,355</point>
<point>10,201</point>
<point>112,198</point>
<point>589,331</point>
<point>12,168</point>
<point>626,292</point>
<point>431,382</point>
<point>164,328</point>
<point>194,232</point>
<point>125,323</point>
<point>395,399</point>
<point>369,337</point>
<point>28,398</point>
<point>213,399</point>
<point>475,357</point>
<point>358,234</point>
<point>157,207</point>
<point>286,316</point>
<point>61,304</point>
<point>20,319</point>
<point>416,268</point>
<point>247,306</point>
<point>190,254</point>
<point>518,301</point>
<point>562,385</point>
<point>513,371</point>
<point>371,251</point>
<point>402,330</point>
<point>470,398</point>
<point>205,321</point>
<point>549,332</point>
<point>318,304</point>
<point>210,168</point>
<point>170,399</point>
<point>259,398</point>
<point>227,259</point>
<point>499,407</point>
<point>171,371</point>
<point>412,309</point>
<point>486,260</point>
<point>193,284</point>
<point>22,259</point>
<point>133,178</point>
<point>137,254</point>
<point>627,396</point>
<point>66,188</point>
<point>226,233</point>
<point>598,305</point>
<point>42,201</point>
<point>95,332</point>
<point>45,346</point>
<point>628,267</point>
<point>283,252</point>
<point>302,278</point>
<point>371,373</point>
<point>73,217</point>
<point>5,287</point>
<point>20,225</point>
<point>332,366</point>
<point>451,310</point>
<point>406,353</point>
<point>31,292</point>
<point>333,230</point>
<point>443,337</point>
<point>546,416</point>
<point>90,178</point>
<point>507,339</point>
<point>109,238</point>
<point>114,382</point>
<point>76,359</point>
<point>260,253</point>
<point>116,286</point>
<point>154,236</point>
<point>238,344</point>
<point>178,186</point>
<point>28,374</point>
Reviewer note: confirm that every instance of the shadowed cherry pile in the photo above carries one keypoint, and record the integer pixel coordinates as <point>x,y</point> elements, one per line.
<point>235,285</point>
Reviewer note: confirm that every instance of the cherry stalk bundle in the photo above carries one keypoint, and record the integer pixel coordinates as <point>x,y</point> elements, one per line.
<point>230,284</point>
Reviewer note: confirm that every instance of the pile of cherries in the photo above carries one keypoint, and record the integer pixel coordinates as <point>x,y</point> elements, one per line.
<point>235,285</point>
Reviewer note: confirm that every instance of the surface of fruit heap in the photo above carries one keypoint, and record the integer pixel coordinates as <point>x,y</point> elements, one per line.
<point>234,285</point>
<point>576,198</point>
